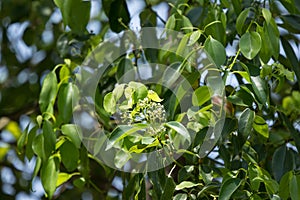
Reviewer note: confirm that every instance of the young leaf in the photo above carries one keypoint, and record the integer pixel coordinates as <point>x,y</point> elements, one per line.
<point>109,103</point>
<point>64,177</point>
<point>154,96</point>
<point>260,126</point>
<point>140,90</point>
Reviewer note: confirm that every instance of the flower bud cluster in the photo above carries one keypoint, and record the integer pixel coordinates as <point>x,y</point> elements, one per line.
<point>146,111</point>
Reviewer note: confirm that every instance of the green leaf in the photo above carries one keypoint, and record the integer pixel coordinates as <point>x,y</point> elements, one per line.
<point>118,91</point>
<point>76,14</point>
<point>49,175</point>
<point>73,132</point>
<point>250,44</point>
<point>246,120</point>
<point>121,158</point>
<point>215,50</point>
<point>295,187</point>
<point>49,138</point>
<point>125,72</point>
<point>48,91</point>
<point>140,90</point>
<point>260,126</point>
<point>141,192</point>
<point>260,88</point>
<point>182,47</point>
<point>67,97</point>
<point>64,177</point>
<point>292,58</point>
<point>284,193</point>
<point>179,128</point>
<point>109,103</point>
<point>180,196</point>
<point>228,187</point>
<point>118,15</point>
<point>267,15</point>
<point>168,189</point>
<point>171,23</point>
<point>69,155</point>
<point>194,37</point>
<point>122,131</point>
<point>282,162</point>
<point>186,184</point>
<point>38,146</point>
<point>201,96</point>
<point>148,18</point>
<point>241,19</point>
<point>270,41</point>
<point>291,23</point>
<point>31,135</point>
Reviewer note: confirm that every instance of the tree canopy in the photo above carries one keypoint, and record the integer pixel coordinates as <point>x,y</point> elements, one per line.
<point>187,99</point>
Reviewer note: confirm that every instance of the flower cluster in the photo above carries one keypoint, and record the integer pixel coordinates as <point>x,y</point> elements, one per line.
<point>146,111</point>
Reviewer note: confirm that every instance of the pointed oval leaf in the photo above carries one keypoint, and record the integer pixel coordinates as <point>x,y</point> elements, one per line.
<point>67,97</point>
<point>109,103</point>
<point>229,187</point>
<point>49,175</point>
<point>201,96</point>
<point>215,50</point>
<point>186,184</point>
<point>69,155</point>
<point>246,120</point>
<point>73,132</point>
<point>260,126</point>
<point>240,21</point>
<point>282,162</point>
<point>48,91</point>
<point>179,128</point>
<point>295,187</point>
<point>250,44</point>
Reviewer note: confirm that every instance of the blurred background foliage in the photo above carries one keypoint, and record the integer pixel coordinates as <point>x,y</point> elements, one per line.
<point>259,155</point>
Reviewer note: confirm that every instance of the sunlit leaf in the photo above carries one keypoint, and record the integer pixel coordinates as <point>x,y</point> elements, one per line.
<point>48,91</point>
<point>186,184</point>
<point>64,177</point>
<point>154,96</point>
<point>250,44</point>
<point>215,50</point>
<point>49,175</point>
<point>179,128</point>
